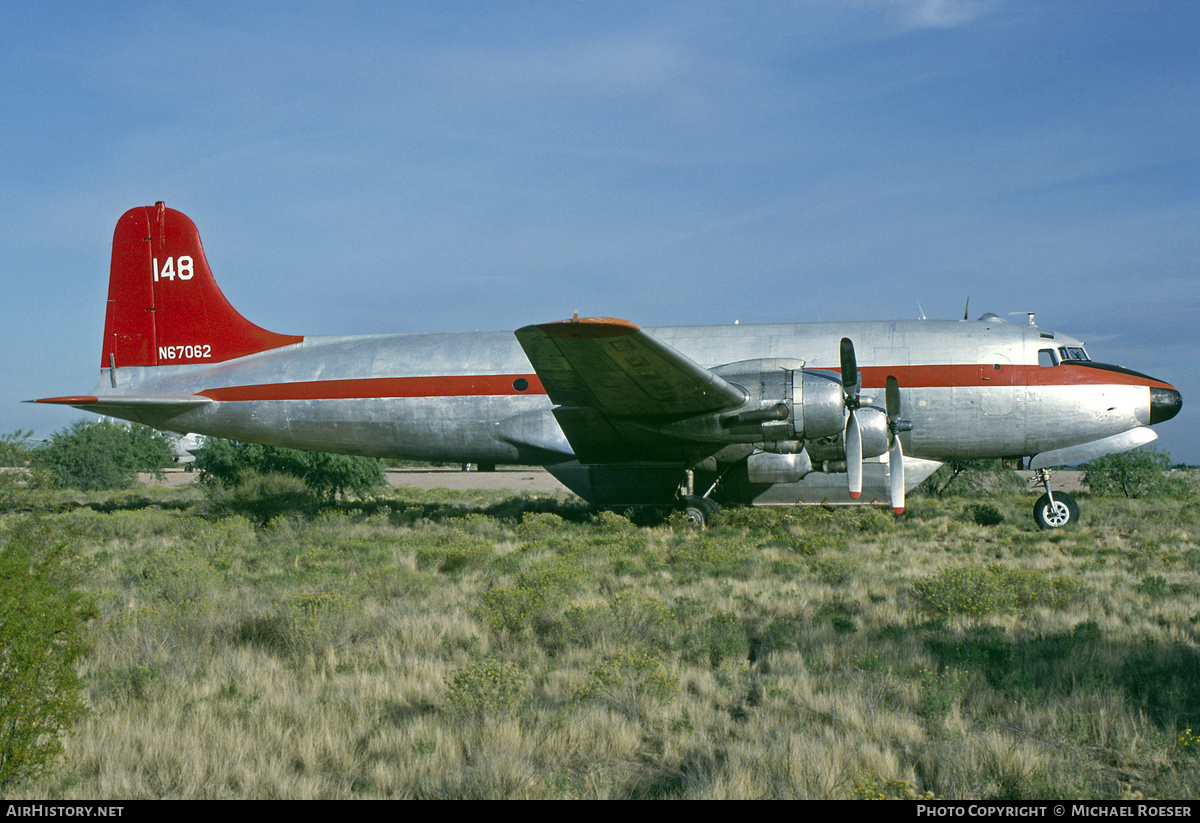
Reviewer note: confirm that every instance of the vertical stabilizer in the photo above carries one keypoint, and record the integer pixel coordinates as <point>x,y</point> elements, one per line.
<point>164,308</point>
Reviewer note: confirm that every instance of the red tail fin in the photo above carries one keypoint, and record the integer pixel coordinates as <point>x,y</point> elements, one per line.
<point>164,308</point>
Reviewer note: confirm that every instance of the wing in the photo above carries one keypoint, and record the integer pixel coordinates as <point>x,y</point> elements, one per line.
<point>614,385</point>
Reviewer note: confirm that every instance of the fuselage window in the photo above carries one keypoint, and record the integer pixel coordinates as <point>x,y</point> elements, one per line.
<point>1047,357</point>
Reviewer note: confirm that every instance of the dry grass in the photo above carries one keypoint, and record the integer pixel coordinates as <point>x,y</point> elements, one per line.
<point>788,653</point>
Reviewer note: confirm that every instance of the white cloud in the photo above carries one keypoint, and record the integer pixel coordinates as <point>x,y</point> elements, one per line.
<point>944,14</point>
<point>934,14</point>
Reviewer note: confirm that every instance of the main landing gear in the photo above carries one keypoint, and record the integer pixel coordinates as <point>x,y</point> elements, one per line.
<point>698,510</point>
<point>1053,510</point>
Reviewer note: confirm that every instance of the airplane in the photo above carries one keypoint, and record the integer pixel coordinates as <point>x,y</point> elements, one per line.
<point>691,417</point>
<point>183,446</point>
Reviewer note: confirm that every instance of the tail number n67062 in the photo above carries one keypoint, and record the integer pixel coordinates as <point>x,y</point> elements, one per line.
<point>199,352</point>
<point>173,267</point>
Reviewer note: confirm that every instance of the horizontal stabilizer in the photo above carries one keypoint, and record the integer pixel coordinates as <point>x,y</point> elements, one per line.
<point>182,401</point>
<point>154,410</point>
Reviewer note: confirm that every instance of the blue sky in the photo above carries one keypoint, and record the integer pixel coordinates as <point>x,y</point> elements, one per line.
<point>393,166</point>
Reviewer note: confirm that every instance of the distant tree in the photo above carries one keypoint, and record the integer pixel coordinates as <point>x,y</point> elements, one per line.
<point>1137,473</point>
<point>14,449</point>
<point>971,476</point>
<point>228,463</point>
<point>23,485</point>
<point>103,455</point>
<point>42,617</point>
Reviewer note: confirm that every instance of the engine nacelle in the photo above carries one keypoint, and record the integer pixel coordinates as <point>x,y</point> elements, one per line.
<point>820,408</point>
<point>785,404</point>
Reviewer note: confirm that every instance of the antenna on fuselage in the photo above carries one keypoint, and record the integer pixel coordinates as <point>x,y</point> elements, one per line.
<point>1024,312</point>
<point>967,308</point>
<point>921,309</point>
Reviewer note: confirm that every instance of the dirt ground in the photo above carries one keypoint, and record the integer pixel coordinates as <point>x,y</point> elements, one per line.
<point>516,478</point>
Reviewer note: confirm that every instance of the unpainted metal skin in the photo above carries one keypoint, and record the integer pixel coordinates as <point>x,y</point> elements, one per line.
<point>770,414</point>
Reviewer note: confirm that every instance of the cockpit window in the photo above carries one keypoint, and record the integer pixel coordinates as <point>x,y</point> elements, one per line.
<point>1047,357</point>
<point>1073,353</point>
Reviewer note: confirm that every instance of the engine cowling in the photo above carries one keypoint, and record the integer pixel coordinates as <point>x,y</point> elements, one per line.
<point>820,406</point>
<point>786,404</point>
<point>788,409</point>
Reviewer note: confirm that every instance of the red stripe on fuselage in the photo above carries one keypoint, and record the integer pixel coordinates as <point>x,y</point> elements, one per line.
<point>467,385</point>
<point>986,374</point>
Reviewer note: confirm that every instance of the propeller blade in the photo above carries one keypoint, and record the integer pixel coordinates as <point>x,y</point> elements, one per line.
<point>892,397</point>
<point>854,456</point>
<point>895,451</point>
<point>896,475</point>
<point>850,384</point>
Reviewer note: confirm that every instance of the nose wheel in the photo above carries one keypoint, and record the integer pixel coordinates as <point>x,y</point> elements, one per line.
<point>1056,512</point>
<point>1053,510</point>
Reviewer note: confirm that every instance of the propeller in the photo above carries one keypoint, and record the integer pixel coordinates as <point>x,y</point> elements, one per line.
<point>851,384</point>
<point>895,452</point>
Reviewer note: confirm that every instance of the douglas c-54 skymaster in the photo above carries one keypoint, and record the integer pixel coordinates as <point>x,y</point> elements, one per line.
<point>771,414</point>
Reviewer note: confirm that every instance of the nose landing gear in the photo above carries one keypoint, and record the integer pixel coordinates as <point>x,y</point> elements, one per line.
<point>1053,510</point>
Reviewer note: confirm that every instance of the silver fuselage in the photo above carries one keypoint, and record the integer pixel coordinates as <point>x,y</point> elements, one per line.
<point>971,389</point>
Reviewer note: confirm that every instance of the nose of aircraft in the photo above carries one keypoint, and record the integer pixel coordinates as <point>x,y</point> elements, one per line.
<point>1164,404</point>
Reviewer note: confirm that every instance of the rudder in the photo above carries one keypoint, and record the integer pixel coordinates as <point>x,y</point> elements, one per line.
<point>164,307</point>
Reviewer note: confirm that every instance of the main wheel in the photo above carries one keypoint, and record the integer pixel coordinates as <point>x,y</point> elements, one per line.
<point>699,511</point>
<point>1065,510</point>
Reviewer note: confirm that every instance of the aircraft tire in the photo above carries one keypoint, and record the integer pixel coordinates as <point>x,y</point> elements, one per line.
<point>1064,511</point>
<point>699,511</point>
